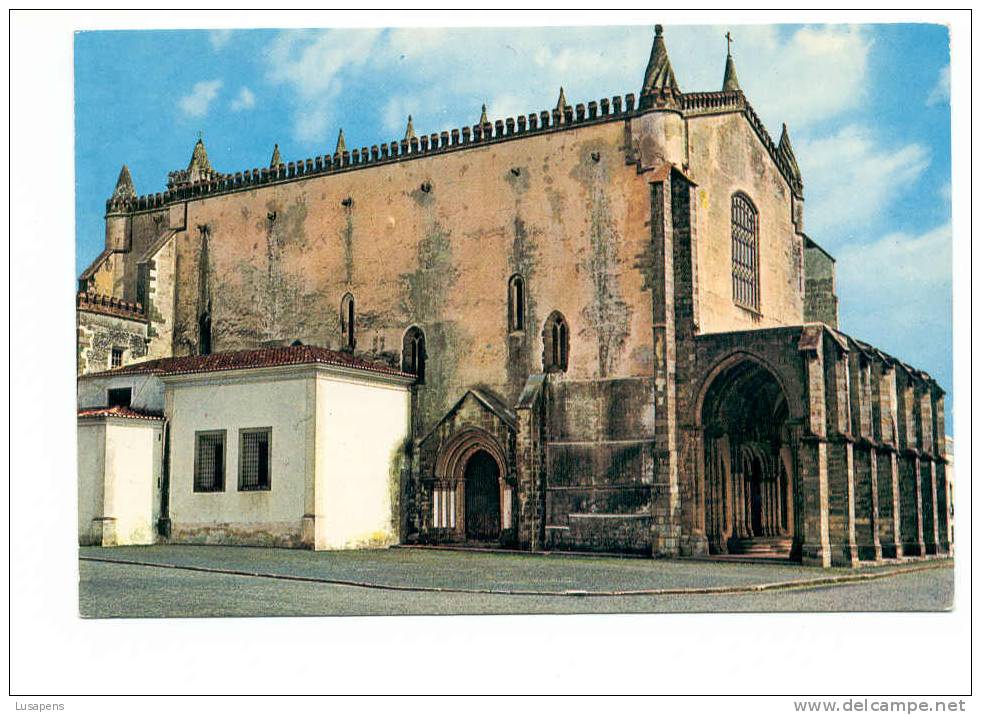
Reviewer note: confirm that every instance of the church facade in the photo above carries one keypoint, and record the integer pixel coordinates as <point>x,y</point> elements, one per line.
<point>622,337</point>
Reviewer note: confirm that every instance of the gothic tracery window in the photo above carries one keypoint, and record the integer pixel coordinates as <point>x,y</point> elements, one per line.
<point>745,253</point>
<point>556,339</point>
<point>414,353</point>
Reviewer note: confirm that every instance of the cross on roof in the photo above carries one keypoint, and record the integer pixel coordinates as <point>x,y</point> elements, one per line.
<point>729,42</point>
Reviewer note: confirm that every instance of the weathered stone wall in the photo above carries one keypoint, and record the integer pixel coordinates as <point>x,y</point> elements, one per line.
<point>820,298</point>
<point>600,456</point>
<point>726,156</point>
<point>158,292</point>
<point>98,334</point>
<point>432,242</point>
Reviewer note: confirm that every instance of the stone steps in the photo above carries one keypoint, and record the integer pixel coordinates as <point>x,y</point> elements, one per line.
<point>778,546</point>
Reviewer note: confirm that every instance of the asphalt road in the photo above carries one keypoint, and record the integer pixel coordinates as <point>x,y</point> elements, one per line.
<point>108,590</point>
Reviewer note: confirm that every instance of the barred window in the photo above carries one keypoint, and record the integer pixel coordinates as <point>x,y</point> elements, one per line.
<point>253,459</point>
<point>117,357</point>
<point>444,507</point>
<point>745,253</point>
<point>209,461</point>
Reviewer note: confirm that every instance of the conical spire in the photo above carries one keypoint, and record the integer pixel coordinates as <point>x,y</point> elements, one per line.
<point>410,132</point>
<point>341,148</point>
<point>199,168</point>
<point>786,152</point>
<point>483,115</point>
<point>562,103</point>
<point>199,157</point>
<point>124,185</point>
<point>659,75</point>
<point>275,161</point>
<point>730,83</point>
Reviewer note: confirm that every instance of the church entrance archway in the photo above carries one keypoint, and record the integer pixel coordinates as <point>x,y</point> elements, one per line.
<point>472,498</point>
<point>748,463</point>
<point>482,497</point>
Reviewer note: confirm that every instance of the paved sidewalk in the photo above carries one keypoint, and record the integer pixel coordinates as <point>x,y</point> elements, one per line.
<point>491,573</point>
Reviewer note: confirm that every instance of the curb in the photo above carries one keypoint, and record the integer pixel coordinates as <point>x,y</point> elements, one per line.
<point>698,590</point>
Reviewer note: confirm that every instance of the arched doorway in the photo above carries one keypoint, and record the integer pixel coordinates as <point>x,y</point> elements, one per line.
<point>483,497</point>
<point>748,464</point>
<point>472,498</point>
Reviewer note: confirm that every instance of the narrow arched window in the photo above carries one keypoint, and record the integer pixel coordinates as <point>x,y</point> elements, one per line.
<point>204,331</point>
<point>347,321</point>
<point>745,253</point>
<point>414,353</point>
<point>556,340</point>
<point>516,303</point>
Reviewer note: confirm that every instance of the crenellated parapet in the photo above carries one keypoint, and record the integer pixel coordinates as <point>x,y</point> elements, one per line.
<point>567,117</point>
<point>483,133</point>
<point>109,305</point>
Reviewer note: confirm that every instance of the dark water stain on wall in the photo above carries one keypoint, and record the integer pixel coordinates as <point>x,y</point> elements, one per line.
<point>347,241</point>
<point>269,303</point>
<point>607,316</point>
<point>522,260</point>
<point>425,293</point>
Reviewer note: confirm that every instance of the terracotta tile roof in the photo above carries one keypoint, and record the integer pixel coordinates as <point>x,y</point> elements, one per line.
<point>127,412</point>
<point>247,359</point>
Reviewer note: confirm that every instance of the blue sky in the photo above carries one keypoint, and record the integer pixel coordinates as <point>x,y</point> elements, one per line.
<point>867,107</point>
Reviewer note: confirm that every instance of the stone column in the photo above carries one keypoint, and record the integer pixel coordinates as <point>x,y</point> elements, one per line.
<point>930,535</point>
<point>812,456</point>
<point>841,464</point>
<point>940,457</point>
<point>665,529</point>
<point>910,483</point>
<point>529,465</point>
<point>884,385</point>
<point>943,538</point>
<point>928,467</point>
<point>795,503</point>
<point>866,472</point>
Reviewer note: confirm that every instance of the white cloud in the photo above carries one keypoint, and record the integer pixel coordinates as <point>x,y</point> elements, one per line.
<point>850,179</point>
<point>219,38</point>
<point>913,261</point>
<point>312,63</point>
<point>441,76</point>
<point>895,292</point>
<point>197,103</point>
<point>244,100</point>
<point>940,94</point>
<point>801,78</point>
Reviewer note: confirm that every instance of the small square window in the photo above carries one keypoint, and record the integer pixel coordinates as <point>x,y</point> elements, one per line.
<point>209,461</point>
<point>117,357</point>
<point>253,459</point>
<point>119,397</point>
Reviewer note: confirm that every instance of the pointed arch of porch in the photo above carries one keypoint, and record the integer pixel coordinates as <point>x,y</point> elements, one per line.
<point>744,416</point>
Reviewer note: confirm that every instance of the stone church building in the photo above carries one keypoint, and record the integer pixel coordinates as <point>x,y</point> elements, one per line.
<point>619,335</point>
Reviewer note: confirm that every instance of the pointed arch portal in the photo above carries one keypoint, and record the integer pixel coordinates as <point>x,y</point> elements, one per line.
<point>748,466</point>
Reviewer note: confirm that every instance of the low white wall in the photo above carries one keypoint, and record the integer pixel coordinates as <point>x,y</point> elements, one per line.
<point>118,481</point>
<point>361,430</point>
<point>91,478</point>
<point>133,450</point>
<point>147,395</point>
<point>272,517</point>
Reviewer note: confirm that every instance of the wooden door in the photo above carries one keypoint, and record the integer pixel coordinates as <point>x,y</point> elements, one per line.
<point>483,498</point>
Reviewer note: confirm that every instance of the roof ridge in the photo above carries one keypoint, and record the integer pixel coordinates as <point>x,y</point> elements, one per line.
<point>252,358</point>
